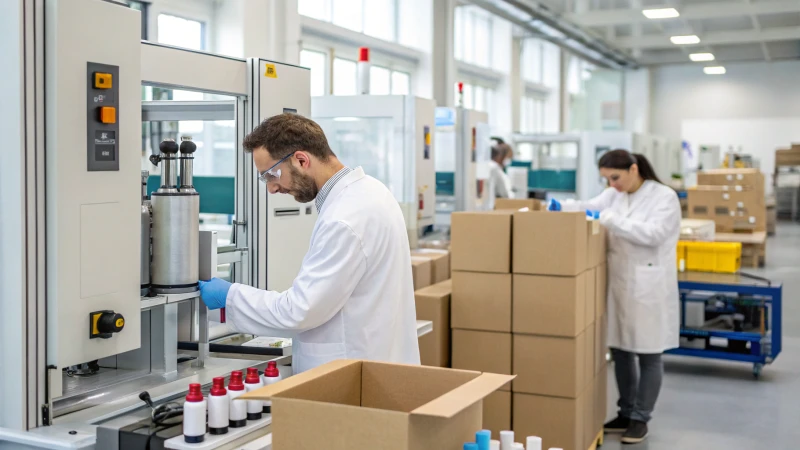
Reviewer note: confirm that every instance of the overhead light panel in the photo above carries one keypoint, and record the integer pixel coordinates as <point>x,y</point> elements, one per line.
<point>661,13</point>
<point>697,57</point>
<point>685,40</point>
<point>714,70</point>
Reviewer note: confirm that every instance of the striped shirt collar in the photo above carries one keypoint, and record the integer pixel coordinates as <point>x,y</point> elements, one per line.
<point>328,186</point>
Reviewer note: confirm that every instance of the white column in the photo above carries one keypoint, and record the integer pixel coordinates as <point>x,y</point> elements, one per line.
<point>267,29</point>
<point>437,74</point>
<point>516,84</point>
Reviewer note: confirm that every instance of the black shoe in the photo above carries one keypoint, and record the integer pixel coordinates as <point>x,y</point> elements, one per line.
<point>636,432</point>
<point>618,425</point>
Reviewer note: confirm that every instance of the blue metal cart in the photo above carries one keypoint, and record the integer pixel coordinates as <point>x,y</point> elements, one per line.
<point>760,346</point>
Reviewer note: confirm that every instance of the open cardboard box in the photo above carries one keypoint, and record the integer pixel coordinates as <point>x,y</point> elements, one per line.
<point>365,405</point>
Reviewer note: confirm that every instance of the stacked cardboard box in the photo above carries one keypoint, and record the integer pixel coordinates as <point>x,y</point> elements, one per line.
<point>433,303</point>
<point>732,198</point>
<point>788,156</point>
<point>518,203</point>
<point>481,303</point>
<point>558,299</point>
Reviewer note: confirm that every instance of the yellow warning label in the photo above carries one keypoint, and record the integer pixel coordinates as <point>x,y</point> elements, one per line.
<point>271,72</point>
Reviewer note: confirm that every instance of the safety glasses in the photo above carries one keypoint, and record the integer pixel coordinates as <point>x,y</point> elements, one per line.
<point>273,174</point>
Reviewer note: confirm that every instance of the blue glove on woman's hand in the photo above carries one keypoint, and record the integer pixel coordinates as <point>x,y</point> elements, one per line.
<point>214,292</point>
<point>554,205</point>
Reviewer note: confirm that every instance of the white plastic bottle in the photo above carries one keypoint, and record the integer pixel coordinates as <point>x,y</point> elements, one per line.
<point>506,440</point>
<point>237,415</point>
<point>194,415</point>
<point>251,383</point>
<point>518,446</point>
<point>534,443</point>
<point>271,376</point>
<point>362,78</point>
<point>219,406</point>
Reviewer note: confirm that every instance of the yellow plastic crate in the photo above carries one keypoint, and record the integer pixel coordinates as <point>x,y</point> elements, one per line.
<point>680,260</point>
<point>720,257</point>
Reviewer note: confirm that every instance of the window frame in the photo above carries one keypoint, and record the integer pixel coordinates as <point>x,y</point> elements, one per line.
<point>203,30</point>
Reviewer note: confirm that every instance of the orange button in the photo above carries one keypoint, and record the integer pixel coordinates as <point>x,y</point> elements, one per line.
<point>102,80</point>
<point>108,114</point>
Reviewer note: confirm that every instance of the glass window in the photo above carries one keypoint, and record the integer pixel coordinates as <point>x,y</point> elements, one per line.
<point>551,65</point>
<point>480,98</point>
<point>532,60</point>
<point>459,34</point>
<point>482,40</point>
<point>379,19</point>
<point>316,62</point>
<point>349,14</point>
<point>344,77</point>
<point>379,81</point>
<point>181,32</point>
<point>473,35</point>
<point>317,9</point>
<point>401,83</point>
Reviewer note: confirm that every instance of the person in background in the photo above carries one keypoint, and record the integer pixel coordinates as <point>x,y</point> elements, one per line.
<point>643,218</point>
<point>499,184</point>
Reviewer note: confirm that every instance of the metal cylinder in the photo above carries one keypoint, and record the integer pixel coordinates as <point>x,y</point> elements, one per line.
<point>169,172</point>
<point>176,240</point>
<point>187,169</point>
<point>144,268</point>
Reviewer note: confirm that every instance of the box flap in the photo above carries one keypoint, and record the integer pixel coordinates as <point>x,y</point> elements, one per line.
<point>274,390</point>
<point>460,398</point>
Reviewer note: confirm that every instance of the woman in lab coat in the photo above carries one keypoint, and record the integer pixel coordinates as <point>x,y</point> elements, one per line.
<point>642,217</point>
<point>353,297</point>
<point>499,184</point>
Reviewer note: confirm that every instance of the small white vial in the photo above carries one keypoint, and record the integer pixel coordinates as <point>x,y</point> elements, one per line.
<point>194,415</point>
<point>219,406</point>
<point>506,440</point>
<point>271,376</point>
<point>251,383</point>
<point>534,443</point>
<point>518,446</point>
<point>494,444</point>
<point>237,415</point>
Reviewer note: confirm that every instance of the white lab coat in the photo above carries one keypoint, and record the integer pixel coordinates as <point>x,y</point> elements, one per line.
<point>499,184</point>
<point>643,231</point>
<point>354,295</point>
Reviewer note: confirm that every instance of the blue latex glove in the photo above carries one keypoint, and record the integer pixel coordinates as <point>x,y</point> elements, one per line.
<point>592,214</point>
<point>214,292</point>
<point>554,205</point>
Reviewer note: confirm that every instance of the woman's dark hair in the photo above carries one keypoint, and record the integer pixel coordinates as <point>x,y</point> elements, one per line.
<point>623,160</point>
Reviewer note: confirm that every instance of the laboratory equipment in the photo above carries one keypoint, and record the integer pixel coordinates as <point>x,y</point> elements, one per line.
<point>194,415</point>
<point>463,151</point>
<point>144,249</point>
<point>392,138</point>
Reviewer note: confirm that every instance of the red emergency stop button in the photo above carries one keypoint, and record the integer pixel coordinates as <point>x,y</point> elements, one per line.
<point>102,80</point>
<point>108,114</point>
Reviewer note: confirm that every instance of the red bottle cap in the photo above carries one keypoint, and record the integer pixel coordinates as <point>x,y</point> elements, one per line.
<point>272,370</point>
<point>218,387</point>
<point>235,383</point>
<point>252,376</point>
<point>194,395</point>
<point>363,54</point>
<point>460,87</point>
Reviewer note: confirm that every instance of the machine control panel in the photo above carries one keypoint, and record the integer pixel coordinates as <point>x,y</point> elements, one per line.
<point>102,123</point>
<point>103,324</point>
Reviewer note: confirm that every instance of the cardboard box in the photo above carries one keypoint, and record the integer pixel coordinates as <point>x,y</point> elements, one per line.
<point>787,157</point>
<point>482,351</point>
<point>353,404</point>
<point>590,433</point>
<point>497,412</point>
<point>421,272</point>
<point>440,263</point>
<point>517,203</point>
<point>746,178</point>
<point>481,301</point>
<point>601,398</point>
<point>549,305</point>
<point>596,244</point>
<point>600,345</point>
<point>588,356</point>
<point>558,421</point>
<point>547,365</point>
<point>601,291</point>
<point>481,241</point>
<point>590,277</point>
<point>549,243</point>
<point>433,303</point>
<point>730,210</point>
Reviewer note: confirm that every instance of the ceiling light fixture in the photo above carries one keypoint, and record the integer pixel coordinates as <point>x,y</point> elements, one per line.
<point>661,13</point>
<point>696,57</point>
<point>714,70</point>
<point>685,40</point>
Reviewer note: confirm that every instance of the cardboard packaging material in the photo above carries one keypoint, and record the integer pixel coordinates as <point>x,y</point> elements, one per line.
<point>601,398</point>
<point>549,305</point>
<point>481,301</point>
<point>730,210</point>
<point>558,421</point>
<point>590,433</point>
<point>600,345</point>
<point>481,241</point>
<point>517,203</point>
<point>601,291</point>
<point>396,407</point>
<point>440,263</point>
<point>588,356</point>
<point>747,178</point>
<point>482,351</point>
<point>433,303</point>
<point>595,244</point>
<point>421,272</point>
<point>548,243</point>
<point>497,412</point>
<point>787,157</point>
<point>590,277</point>
<point>547,365</point>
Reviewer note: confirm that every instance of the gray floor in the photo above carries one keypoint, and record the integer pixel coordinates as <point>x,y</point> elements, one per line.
<point>715,405</point>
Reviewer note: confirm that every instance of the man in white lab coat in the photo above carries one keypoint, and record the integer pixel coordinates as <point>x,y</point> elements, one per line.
<point>353,297</point>
<point>499,184</point>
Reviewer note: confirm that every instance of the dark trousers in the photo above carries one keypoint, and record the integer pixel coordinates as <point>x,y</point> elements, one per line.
<point>638,384</point>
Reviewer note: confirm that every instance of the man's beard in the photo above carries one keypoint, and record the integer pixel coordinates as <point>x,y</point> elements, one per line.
<point>304,189</point>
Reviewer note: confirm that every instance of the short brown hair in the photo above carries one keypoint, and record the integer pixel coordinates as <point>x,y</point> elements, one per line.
<point>287,133</point>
